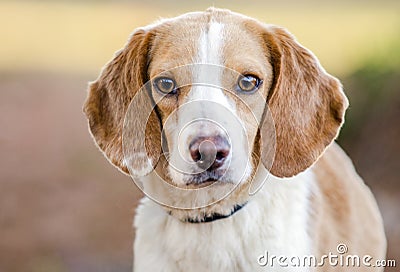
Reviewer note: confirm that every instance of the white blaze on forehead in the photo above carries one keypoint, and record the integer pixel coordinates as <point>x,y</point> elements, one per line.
<point>209,70</point>
<point>210,47</point>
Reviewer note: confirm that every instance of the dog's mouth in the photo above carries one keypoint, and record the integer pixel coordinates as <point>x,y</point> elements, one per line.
<point>195,185</point>
<point>204,179</point>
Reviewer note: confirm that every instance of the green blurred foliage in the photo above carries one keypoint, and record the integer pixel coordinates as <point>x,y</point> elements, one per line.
<point>372,89</point>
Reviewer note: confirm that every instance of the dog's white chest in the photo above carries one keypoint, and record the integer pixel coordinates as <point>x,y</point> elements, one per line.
<point>274,221</point>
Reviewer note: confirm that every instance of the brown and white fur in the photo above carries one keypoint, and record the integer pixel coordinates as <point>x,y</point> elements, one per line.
<point>312,198</point>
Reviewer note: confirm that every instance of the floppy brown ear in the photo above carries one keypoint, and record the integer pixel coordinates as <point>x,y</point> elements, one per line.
<point>306,104</point>
<point>108,100</point>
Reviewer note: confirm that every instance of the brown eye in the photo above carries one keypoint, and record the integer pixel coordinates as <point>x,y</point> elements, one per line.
<point>249,83</point>
<point>165,85</point>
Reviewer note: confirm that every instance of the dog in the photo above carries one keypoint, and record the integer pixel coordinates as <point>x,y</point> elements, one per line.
<point>228,126</point>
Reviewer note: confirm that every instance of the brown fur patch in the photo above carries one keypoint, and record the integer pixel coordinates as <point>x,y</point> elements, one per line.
<point>110,95</point>
<point>306,103</point>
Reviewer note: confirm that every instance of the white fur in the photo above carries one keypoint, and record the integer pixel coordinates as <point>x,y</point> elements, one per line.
<point>139,164</point>
<point>274,220</point>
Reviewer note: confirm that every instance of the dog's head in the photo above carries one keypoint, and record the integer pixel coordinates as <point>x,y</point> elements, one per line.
<point>206,96</point>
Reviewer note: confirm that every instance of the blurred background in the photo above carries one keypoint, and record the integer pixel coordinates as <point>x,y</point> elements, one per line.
<point>63,207</point>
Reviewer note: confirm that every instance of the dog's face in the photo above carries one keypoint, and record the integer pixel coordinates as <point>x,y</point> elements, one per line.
<point>208,92</point>
<point>205,97</point>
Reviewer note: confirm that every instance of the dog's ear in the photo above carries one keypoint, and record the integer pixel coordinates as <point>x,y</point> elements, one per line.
<point>307,105</point>
<point>107,104</point>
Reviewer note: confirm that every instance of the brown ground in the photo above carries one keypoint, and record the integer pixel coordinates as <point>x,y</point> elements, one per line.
<point>64,208</point>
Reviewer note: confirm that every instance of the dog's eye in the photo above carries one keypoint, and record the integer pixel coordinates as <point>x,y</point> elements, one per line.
<point>165,85</point>
<point>249,83</point>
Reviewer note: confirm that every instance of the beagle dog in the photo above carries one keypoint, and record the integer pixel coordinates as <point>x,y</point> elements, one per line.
<point>228,126</point>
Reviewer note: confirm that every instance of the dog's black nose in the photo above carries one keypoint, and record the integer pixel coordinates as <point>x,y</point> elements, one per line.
<point>209,153</point>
